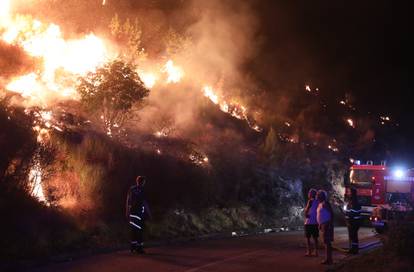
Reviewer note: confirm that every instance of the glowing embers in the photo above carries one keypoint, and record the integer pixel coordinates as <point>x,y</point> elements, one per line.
<point>333,148</point>
<point>384,120</point>
<point>164,132</point>
<point>350,122</point>
<point>309,89</point>
<point>198,159</point>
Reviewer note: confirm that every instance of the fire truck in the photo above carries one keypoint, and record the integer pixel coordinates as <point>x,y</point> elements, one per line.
<point>385,193</point>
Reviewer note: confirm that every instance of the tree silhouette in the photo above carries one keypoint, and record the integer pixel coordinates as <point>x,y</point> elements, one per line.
<point>113,94</point>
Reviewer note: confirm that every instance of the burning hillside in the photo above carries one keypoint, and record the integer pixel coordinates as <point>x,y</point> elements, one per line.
<point>226,122</point>
<point>55,63</point>
<point>61,61</point>
<point>186,72</point>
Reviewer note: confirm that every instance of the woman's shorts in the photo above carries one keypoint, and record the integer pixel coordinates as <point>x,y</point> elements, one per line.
<point>311,230</point>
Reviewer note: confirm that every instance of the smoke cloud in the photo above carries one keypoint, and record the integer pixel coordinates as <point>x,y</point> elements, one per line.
<point>14,61</point>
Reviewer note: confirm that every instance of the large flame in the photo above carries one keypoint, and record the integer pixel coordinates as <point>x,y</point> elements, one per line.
<point>62,60</point>
<point>174,72</point>
<point>4,12</point>
<point>149,79</point>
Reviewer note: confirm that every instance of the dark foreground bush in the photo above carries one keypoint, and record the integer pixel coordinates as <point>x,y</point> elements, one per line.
<point>399,239</point>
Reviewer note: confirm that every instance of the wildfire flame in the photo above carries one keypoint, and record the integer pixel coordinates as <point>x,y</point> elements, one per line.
<point>174,72</point>
<point>350,122</point>
<point>234,109</point>
<point>4,11</point>
<point>149,79</point>
<point>62,60</point>
<point>209,93</point>
<point>35,178</point>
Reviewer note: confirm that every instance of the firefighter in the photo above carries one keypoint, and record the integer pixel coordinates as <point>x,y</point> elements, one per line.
<point>353,221</point>
<point>136,212</point>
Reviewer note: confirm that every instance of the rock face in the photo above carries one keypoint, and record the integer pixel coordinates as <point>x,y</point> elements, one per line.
<point>280,198</point>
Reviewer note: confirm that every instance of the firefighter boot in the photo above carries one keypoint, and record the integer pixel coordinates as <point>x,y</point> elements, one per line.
<point>133,247</point>
<point>354,249</point>
<point>140,250</point>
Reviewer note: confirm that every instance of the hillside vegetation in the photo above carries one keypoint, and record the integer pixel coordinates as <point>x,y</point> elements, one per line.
<point>86,174</point>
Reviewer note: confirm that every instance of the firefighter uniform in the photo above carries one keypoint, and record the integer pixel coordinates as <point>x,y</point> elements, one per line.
<point>353,220</point>
<point>136,208</point>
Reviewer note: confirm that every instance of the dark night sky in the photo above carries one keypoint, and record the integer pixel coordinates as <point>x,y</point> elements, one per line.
<point>360,47</point>
<point>357,46</point>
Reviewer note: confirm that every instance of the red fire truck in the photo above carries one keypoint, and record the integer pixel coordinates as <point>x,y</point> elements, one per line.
<point>385,193</point>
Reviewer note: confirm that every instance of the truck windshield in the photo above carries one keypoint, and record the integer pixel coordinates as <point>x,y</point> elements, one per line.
<point>361,177</point>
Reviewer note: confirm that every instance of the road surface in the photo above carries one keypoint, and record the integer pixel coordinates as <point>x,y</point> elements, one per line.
<point>283,251</point>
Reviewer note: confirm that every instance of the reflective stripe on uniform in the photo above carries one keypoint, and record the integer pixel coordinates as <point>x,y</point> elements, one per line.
<point>352,210</point>
<point>135,225</point>
<point>135,216</point>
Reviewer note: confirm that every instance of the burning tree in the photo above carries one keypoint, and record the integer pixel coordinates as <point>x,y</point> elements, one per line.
<point>114,92</point>
<point>129,33</point>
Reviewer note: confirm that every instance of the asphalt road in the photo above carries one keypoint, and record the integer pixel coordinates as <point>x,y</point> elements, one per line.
<point>283,251</point>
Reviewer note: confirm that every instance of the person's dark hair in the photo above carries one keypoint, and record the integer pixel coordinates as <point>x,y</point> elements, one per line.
<point>322,195</point>
<point>312,193</point>
<point>140,180</point>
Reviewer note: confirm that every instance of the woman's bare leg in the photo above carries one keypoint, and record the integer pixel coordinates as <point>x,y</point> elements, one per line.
<point>315,240</point>
<point>308,244</point>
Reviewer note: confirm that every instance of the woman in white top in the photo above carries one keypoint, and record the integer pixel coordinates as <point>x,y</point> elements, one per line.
<point>325,221</point>
<point>311,223</point>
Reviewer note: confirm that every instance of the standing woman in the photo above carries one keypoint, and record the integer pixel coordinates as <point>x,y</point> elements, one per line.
<point>353,221</point>
<point>325,221</point>
<point>311,224</point>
